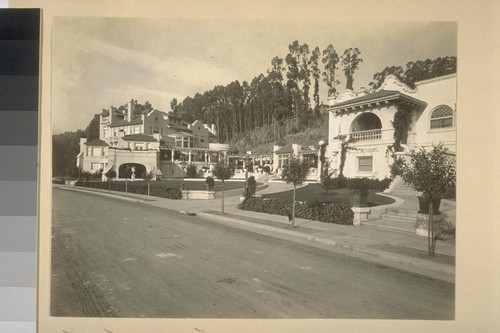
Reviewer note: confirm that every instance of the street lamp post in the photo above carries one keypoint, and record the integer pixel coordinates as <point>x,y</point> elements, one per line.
<point>183,165</point>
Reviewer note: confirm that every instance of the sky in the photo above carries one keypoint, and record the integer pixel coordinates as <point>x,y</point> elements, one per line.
<point>98,62</point>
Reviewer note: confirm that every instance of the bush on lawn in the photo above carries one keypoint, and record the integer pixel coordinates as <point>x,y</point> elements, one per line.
<point>374,184</point>
<point>338,213</point>
<point>162,192</point>
<point>191,171</point>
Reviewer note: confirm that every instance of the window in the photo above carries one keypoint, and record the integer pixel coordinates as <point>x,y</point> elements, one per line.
<point>95,166</point>
<point>442,117</point>
<point>365,163</point>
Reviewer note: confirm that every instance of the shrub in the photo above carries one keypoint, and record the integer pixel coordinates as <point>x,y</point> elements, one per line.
<point>395,168</point>
<point>359,185</point>
<point>267,169</point>
<point>250,187</point>
<point>338,213</point>
<point>191,171</point>
<point>210,181</point>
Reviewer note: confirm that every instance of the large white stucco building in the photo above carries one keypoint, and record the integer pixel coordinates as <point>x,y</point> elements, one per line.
<point>150,140</point>
<point>367,118</point>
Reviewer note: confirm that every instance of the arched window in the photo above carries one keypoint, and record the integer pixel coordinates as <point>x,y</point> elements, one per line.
<point>442,117</point>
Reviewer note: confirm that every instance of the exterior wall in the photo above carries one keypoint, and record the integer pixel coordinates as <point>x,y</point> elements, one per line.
<point>155,121</point>
<point>201,131</point>
<point>342,124</point>
<point>436,92</point>
<point>146,158</point>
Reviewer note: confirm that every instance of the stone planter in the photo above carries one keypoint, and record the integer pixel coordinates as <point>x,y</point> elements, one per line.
<point>421,224</point>
<point>423,205</point>
<point>359,200</point>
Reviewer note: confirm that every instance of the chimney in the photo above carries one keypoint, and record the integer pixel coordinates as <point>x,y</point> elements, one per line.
<point>212,129</point>
<point>129,110</point>
<point>296,149</point>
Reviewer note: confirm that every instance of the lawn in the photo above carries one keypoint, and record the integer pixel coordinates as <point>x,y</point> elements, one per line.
<point>314,192</point>
<point>189,184</point>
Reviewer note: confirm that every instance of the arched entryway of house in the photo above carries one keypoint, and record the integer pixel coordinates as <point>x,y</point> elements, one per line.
<point>366,126</point>
<point>139,170</point>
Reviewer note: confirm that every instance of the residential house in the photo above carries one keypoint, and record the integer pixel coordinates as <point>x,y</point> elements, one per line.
<point>366,117</point>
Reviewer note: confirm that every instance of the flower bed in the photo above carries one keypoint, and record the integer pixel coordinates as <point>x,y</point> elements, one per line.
<point>338,213</point>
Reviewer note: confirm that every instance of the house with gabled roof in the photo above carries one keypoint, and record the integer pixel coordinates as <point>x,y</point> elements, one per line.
<point>366,120</point>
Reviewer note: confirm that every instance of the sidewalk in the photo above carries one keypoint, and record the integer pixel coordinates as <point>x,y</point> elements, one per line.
<point>384,247</point>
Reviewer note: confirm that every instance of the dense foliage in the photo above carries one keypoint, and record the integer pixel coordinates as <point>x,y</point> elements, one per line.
<point>338,213</point>
<point>417,71</point>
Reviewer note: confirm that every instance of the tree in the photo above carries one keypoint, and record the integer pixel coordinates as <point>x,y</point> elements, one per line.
<point>378,78</point>
<point>350,63</point>
<point>223,171</point>
<point>295,172</point>
<point>174,106</point>
<point>344,147</point>
<point>92,130</point>
<point>330,61</point>
<point>127,173</point>
<point>148,177</point>
<point>316,73</point>
<point>110,174</point>
<point>327,178</point>
<point>433,174</point>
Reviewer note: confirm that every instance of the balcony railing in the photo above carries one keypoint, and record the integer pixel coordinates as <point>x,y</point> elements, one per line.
<point>375,134</point>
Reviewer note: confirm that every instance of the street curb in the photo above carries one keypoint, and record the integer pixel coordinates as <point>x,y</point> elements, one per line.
<point>106,194</point>
<point>442,272</point>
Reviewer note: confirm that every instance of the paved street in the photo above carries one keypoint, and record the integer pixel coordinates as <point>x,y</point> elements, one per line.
<point>114,258</point>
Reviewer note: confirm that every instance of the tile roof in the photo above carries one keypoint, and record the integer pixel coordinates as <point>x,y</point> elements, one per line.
<point>181,134</point>
<point>136,121</point>
<point>139,137</point>
<point>287,149</point>
<point>378,96</point>
<point>96,143</point>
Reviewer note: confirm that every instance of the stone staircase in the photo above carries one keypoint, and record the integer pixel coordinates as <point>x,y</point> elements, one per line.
<point>402,217</point>
<point>400,188</point>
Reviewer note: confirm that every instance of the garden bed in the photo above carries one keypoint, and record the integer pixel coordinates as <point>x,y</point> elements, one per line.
<point>314,192</point>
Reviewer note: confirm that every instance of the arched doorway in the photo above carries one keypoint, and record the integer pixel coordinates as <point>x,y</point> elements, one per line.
<point>125,170</point>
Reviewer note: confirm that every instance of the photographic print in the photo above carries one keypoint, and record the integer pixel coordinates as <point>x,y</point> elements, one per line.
<point>253,168</point>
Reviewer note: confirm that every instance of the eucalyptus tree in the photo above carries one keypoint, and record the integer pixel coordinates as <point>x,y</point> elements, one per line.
<point>330,60</point>
<point>316,73</point>
<point>350,61</point>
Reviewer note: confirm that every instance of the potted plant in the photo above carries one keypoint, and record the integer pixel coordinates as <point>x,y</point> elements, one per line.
<point>359,188</point>
<point>210,183</point>
<point>433,174</point>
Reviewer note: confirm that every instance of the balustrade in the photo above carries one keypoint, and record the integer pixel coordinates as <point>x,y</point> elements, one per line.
<point>375,134</point>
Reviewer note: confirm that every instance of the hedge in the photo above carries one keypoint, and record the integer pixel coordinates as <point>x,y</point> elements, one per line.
<point>162,192</point>
<point>338,213</point>
<point>375,184</point>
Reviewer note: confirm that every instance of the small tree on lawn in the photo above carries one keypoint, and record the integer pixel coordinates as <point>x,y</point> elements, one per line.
<point>327,178</point>
<point>433,174</point>
<point>127,173</point>
<point>149,176</point>
<point>295,172</point>
<point>110,175</point>
<point>223,171</point>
